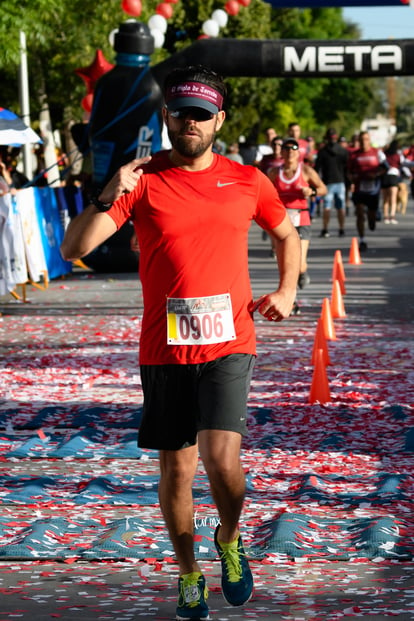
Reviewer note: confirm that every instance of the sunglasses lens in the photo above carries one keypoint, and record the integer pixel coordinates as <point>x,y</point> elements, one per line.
<point>290,147</point>
<point>195,114</point>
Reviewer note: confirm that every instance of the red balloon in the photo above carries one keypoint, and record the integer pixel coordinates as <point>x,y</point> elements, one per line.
<point>132,7</point>
<point>87,102</point>
<point>164,9</point>
<point>244,2</point>
<point>232,7</point>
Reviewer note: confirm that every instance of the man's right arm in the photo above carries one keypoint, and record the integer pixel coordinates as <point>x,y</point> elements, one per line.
<point>92,227</point>
<point>85,232</point>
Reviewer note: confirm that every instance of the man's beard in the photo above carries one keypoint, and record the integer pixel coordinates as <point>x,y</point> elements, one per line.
<point>188,146</point>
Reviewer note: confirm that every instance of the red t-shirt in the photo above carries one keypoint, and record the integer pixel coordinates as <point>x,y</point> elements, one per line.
<point>290,191</point>
<point>364,166</point>
<point>192,229</point>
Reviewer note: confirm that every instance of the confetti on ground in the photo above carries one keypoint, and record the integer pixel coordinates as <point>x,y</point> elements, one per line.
<point>332,481</point>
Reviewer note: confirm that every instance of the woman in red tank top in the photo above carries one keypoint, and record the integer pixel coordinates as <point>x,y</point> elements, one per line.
<point>296,182</point>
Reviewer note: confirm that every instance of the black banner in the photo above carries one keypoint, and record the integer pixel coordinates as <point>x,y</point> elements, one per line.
<point>298,57</point>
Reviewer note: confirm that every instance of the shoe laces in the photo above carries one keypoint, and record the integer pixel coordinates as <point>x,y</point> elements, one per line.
<point>231,557</point>
<point>190,590</point>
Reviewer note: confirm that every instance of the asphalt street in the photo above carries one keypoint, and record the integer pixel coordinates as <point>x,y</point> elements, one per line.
<point>379,291</point>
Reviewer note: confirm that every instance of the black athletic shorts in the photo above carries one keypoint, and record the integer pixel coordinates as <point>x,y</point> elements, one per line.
<point>371,201</point>
<point>181,400</point>
<point>304,231</point>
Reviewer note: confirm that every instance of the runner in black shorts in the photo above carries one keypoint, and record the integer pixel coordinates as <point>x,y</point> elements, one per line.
<point>192,210</point>
<point>365,171</point>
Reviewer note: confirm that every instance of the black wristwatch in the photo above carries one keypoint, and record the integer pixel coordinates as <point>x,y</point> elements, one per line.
<point>100,206</point>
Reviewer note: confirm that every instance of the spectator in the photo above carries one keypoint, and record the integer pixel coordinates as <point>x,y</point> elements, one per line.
<point>274,158</point>
<point>331,164</point>
<point>233,153</point>
<point>390,181</point>
<point>265,148</point>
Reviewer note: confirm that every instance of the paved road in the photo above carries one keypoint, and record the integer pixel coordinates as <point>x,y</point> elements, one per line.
<point>380,290</point>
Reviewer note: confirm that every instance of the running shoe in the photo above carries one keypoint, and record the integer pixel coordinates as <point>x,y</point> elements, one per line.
<point>296,309</point>
<point>324,233</point>
<point>192,596</point>
<point>341,233</point>
<point>236,578</point>
<point>363,246</point>
<point>303,280</point>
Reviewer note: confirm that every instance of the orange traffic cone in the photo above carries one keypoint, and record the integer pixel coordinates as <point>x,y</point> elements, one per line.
<point>320,343</point>
<point>337,303</point>
<point>338,272</point>
<point>354,256</point>
<point>319,392</point>
<point>327,321</point>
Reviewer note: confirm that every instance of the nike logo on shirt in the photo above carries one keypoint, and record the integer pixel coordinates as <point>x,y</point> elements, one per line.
<point>221,185</point>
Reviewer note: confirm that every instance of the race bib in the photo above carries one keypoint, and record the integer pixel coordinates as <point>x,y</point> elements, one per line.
<point>294,216</point>
<point>200,321</point>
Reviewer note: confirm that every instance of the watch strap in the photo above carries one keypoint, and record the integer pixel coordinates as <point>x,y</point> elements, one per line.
<point>100,206</point>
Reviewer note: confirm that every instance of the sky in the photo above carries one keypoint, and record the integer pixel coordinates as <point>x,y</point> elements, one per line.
<point>383,22</point>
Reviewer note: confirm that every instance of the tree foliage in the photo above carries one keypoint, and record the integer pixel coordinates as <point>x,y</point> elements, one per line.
<point>63,36</point>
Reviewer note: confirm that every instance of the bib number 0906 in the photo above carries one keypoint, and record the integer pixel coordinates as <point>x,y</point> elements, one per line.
<point>200,321</point>
<point>200,326</point>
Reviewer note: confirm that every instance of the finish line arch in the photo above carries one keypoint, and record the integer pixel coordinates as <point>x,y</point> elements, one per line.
<point>297,58</point>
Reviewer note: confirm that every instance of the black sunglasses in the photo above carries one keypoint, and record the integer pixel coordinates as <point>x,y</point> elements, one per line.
<point>290,147</point>
<point>195,114</point>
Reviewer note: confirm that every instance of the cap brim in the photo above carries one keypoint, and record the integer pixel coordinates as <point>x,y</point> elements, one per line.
<point>290,143</point>
<point>191,102</point>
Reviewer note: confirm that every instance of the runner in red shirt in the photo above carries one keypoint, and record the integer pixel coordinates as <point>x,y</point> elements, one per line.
<point>365,171</point>
<point>192,210</point>
<point>294,131</point>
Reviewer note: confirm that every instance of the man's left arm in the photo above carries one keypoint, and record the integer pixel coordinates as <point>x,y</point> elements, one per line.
<point>278,305</point>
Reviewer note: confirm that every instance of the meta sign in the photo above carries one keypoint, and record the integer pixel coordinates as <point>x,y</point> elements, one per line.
<point>341,58</point>
<point>308,58</point>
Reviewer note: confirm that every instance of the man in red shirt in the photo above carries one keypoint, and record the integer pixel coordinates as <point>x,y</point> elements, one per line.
<point>192,209</point>
<point>294,131</point>
<point>365,172</point>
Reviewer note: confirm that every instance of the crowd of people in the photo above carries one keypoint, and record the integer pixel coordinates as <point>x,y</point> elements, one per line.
<point>376,182</point>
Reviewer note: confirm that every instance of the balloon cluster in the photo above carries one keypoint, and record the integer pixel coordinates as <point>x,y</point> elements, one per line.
<point>219,17</point>
<point>157,23</point>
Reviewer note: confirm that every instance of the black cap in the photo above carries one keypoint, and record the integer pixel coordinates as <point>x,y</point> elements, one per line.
<point>134,38</point>
<point>331,132</point>
<point>290,142</point>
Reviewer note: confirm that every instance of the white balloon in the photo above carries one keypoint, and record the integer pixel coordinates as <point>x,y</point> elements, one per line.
<point>111,37</point>
<point>158,37</point>
<point>158,22</point>
<point>210,28</point>
<point>220,17</point>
